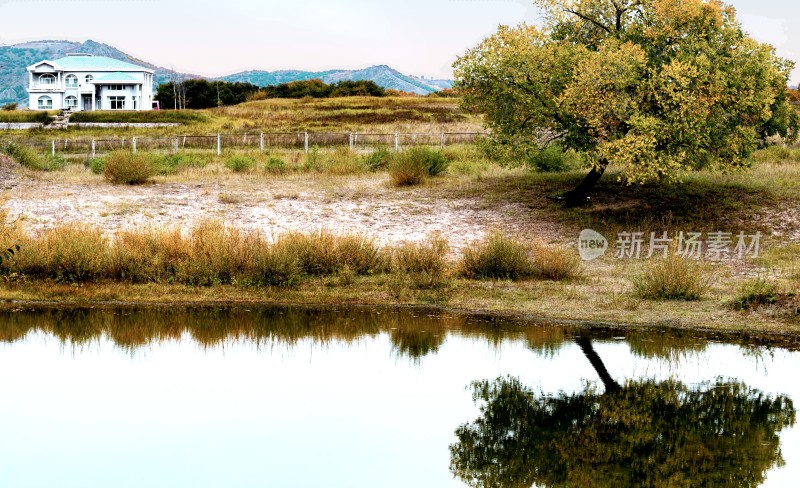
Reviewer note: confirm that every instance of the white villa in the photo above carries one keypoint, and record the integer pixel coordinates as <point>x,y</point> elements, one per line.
<point>87,82</point>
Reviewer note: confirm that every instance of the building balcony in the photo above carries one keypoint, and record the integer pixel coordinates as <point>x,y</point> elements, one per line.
<point>43,87</point>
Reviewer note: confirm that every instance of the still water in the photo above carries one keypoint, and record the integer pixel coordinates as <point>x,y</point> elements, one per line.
<point>296,397</point>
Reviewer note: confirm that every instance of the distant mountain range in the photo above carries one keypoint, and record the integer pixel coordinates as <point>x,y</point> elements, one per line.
<point>14,60</point>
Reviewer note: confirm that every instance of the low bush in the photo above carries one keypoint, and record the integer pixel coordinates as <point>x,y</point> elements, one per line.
<point>240,164</point>
<point>377,160</point>
<point>554,159</point>
<point>671,278</point>
<point>406,171</point>
<point>497,256</point>
<point>755,293</point>
<point>275,165</point>
<point>30,159</point>
<point>412,166</point>
<point>127,168</point>
<point>168,164</point>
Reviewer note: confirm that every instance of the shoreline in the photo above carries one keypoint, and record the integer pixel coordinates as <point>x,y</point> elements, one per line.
<point>752,328</point>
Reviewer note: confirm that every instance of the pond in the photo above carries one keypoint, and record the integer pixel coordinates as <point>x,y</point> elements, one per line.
<point>352,397</point>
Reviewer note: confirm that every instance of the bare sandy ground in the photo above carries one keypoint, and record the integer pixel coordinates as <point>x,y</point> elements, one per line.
<point>366,204</point>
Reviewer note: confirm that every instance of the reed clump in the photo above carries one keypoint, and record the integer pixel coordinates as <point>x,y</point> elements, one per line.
<point>127,168</point>
<point>210,253</point>
<point>424,263</point>
<point>555,263</point>
<point>497,256</point>
<point>671,278</point>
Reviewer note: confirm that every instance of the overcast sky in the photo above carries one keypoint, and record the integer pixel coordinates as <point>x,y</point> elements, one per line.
<point>212,38</point>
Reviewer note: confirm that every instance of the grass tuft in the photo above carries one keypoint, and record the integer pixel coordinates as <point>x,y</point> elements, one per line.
<point>497,256</point>
<point>127,168</point>
<point>425,263</point>
<point>671,278</point>
<point>555,263</point>
<point>755,293</point>
<point>240,164</point>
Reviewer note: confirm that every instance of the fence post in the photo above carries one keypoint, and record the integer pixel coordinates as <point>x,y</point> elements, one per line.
<point>219,144</point>
<point>93,148</point>
<point>351,141</point>
<point>175,146</point>
<point>305,144</point>
<point>261,142</point>
<point>53,149</point>
<point>441,142</point>
<point>396,141</point>
<point>133,144</point>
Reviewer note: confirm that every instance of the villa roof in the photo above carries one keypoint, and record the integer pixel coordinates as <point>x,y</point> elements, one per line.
<point>92,63</point>
<point>116,76</point>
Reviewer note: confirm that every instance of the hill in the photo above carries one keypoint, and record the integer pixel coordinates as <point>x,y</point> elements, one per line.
<point>383,75</point>
<point>14,59</point>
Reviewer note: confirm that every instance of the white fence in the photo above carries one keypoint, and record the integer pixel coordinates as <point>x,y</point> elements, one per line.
<point>257,141</point>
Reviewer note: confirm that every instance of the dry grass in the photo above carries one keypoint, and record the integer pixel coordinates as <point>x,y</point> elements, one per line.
<point>497,256</point>
<point>555,263</point>
<point>425,263</point>
<point>127,168</point>
<point>672,278</point>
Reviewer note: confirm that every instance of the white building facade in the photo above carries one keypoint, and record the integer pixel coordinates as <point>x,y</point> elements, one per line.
<point>86,82</point>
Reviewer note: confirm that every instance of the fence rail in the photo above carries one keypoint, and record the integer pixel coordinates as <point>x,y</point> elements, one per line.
<point>259,141</point>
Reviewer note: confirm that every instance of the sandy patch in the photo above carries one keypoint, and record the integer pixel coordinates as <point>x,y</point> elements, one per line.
<point>271,205</point>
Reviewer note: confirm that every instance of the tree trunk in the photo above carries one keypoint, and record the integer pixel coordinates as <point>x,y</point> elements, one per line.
<point>577,197</point>
<point>597,363</point>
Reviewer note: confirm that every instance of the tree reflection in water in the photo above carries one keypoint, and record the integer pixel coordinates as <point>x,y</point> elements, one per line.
<point>641,433</point>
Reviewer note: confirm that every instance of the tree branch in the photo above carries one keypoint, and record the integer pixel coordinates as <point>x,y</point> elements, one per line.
<point>588,19</point>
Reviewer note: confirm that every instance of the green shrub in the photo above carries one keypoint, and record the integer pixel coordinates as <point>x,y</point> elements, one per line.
<point>127,168</point>
<point>378,159</point>
<point>313,160</point>
<point>10,106</point>
<point>671,278</point>
<point>30,159</point>
<point>755,293</point>
<point>168,164</point>
<point>239,163</point>
<point>497,256</point>
<point>97,165</point>
<point>275,165</point>
<point>553,159</point>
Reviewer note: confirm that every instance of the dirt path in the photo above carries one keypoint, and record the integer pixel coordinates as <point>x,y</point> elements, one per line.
<point>365,204</point>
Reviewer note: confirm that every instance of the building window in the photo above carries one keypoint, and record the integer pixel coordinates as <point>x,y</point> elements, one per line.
<point>71,102</point>
<point>47,80</point>
<point>116,87</point>
<point>71,81</point>
<point>133,99</point>
<point>45,103</point>
<point>89,79</point>
<point>117,103</point>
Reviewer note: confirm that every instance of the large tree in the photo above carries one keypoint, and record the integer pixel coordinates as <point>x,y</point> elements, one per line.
<point>654,87</point>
